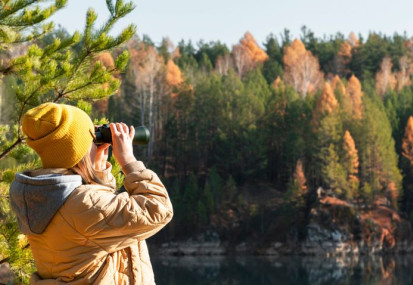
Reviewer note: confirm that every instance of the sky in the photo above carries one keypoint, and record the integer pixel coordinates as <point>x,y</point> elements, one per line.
<point>228,20</point>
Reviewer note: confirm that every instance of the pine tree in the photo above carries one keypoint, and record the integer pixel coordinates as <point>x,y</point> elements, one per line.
<point>377,154</point>
<point>62,68</point>
<point>216,185</point>
<point>208,198</point>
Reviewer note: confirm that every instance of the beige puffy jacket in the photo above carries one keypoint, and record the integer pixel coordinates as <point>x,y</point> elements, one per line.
<point>97,236</point>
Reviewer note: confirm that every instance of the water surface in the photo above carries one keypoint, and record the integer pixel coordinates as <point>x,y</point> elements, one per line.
<point>381,270</point>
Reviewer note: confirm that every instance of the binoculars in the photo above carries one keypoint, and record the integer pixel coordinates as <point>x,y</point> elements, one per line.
<point>103,135</point>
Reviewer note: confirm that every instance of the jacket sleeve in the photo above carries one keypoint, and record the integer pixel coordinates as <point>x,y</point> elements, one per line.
<point>116,220</point>
<point>106,176</point>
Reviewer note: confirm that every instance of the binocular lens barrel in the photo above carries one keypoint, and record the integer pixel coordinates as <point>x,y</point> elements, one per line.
<point>103,135</point>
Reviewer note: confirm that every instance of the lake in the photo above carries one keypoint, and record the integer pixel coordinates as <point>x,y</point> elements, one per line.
<point>383,270</point>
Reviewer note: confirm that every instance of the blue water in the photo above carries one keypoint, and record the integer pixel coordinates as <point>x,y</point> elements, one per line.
<point>283,270</point>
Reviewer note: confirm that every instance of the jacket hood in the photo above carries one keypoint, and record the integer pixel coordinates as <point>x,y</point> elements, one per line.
<point>35,199</point>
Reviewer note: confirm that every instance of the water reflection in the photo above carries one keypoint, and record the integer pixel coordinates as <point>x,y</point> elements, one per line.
<point>380,270</point>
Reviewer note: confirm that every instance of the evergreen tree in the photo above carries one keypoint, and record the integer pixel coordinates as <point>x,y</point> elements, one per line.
<point>62,68</point>
<point>208,198</point>
<point>378,158</point>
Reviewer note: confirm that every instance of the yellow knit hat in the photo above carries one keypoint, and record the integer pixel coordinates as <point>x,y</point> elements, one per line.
<point>60,134</point>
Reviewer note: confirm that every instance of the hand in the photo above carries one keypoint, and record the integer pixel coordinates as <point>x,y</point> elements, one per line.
<point>99,156</point>
<point>122,138</point>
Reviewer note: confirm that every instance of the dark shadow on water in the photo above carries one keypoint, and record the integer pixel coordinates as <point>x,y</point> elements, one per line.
<point>383,270</point>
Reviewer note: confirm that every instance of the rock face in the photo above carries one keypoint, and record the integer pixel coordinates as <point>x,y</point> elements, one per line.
<point>334,228</point>
<point>207,243</point>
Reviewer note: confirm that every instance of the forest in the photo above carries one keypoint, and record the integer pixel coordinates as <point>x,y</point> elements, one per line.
<point>247,138</point>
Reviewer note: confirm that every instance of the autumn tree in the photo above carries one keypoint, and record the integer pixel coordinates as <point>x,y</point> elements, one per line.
<point>403,75</point>
<point>223,64</point>
<point>338,86</point>
<point>145,71</point>
<point>351,163</point>
<point>327,102</point>
<point>343,58</point>
<point>407,153</point>
<point>52,67</point>
<point>302,70</point>
<point>407,145</point>
<point>353,40</point>
<point>106,59</point>
<point>247,54</point>
<point>355,94</point>
<point>173,75</point>
<point>385,79</point>
<point>297,188</point>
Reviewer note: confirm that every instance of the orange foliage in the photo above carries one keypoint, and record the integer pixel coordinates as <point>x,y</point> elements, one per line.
<point>247,54</point>
<point>276,82</point>
<point>327,102</point>
<point>106,59</point>
<point>337,85</point>
<point>302,69</point>
<point>355,94</point>
<point>254,52</point>
<point>407,142</point>
<point>353,40</point>
<point>393,192</point>
<point>345,49</point>
<point>334,201</point>
<point>300,177</point>
<point>351,153</point>
<point>173,74</point>
<point>385,80</point>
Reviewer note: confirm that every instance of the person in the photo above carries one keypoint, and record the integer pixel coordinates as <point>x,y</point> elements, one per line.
<point>80,229</point>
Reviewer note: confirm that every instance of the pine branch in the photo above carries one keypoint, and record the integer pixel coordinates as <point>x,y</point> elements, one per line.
<point>10,148</point>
